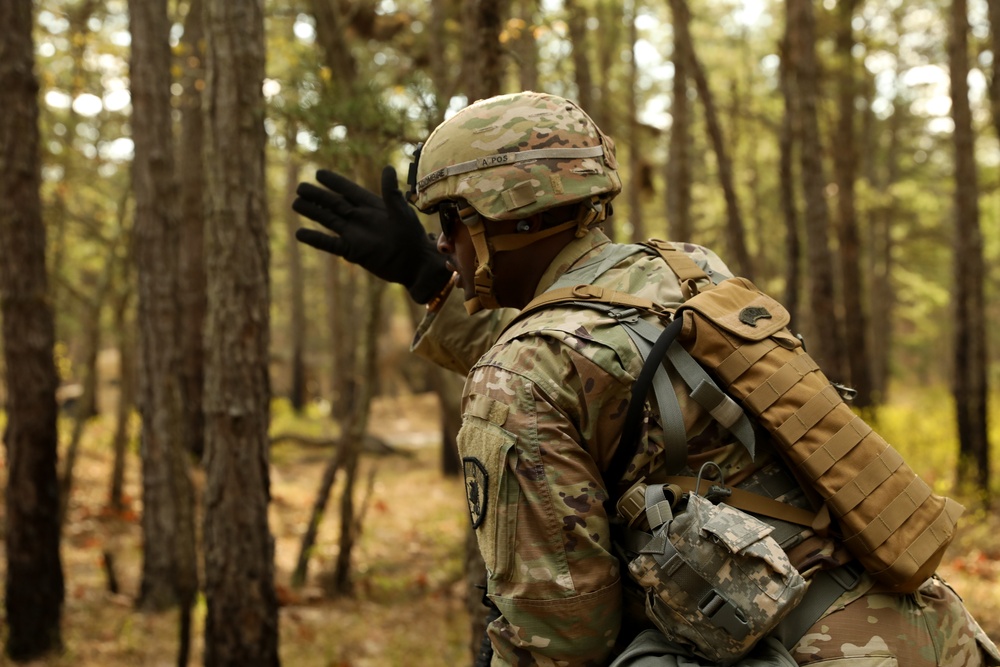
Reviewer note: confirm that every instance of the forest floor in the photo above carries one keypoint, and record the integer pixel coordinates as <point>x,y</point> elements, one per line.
<point>408,603</point>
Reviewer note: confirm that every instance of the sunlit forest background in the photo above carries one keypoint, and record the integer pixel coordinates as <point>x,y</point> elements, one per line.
<point>227,397</point>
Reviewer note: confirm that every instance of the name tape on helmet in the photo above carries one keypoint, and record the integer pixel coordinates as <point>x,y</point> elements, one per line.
<point>498,159</point>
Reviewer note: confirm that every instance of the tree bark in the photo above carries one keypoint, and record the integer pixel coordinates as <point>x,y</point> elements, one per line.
<point>191,259</point>
<point>789,208</point>
<point>241,626</point>
<point>845,161</point>
<point>296,281</point>
<point>34,587</point>
<point>678,168</point>
<point>169,572</point>
<point>635,161</point>
<point>576,17</point>
<point>735,232</point>
<point>970,381</point>
<point>826,346</point>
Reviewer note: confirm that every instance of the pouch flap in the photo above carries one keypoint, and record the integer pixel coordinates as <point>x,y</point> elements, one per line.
<point>737,306</point>
<point>735,529</point>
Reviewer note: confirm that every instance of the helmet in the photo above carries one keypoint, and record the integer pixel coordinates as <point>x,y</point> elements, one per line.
<point>510,157</point>
<point>515,155</point>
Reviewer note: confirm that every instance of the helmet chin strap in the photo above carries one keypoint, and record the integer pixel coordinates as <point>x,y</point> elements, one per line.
<point>594,210</point>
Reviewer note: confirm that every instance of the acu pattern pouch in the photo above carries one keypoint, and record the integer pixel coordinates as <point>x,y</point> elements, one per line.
<point>715,579</point>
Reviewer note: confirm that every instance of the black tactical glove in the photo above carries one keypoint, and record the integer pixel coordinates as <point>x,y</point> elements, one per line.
<point>382,235</point>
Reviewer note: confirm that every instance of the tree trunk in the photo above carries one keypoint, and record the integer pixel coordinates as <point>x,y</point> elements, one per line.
<point>735,232</point>
<point>356,427</point>
<point>789,207</point>
<point>34,586</point>
<point>239,548</point>
<point>524,47</point>
<point>483,53</point>
<point>970,382</point>
<point>191,260</point>
<point>845,161</point>
<point>826,346</point>
<point>635,152</point>
<point>296,280</point>
<point>577,22</point>
<point>994,15</point>
<point>169,572</point>
<point>126,401</point>
<point>678,168</point>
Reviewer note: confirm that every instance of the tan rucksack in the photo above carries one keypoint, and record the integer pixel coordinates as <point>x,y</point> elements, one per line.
<point>889,518</point>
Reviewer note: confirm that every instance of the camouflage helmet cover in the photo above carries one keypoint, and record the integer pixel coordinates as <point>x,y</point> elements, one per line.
<point>515,155</point>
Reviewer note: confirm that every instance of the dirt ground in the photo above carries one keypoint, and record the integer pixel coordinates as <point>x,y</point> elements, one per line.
<point>408,608</point>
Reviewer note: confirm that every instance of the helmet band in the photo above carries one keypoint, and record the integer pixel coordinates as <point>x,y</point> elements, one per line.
<point>498,159</point>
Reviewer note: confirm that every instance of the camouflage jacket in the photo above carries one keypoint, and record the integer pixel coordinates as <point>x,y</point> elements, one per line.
<point>543,410</point>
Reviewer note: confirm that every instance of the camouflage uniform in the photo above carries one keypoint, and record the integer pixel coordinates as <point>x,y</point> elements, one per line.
<point>543,409</point>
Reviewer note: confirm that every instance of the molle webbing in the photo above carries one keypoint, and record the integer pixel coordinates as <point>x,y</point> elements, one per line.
<point>890,519</point>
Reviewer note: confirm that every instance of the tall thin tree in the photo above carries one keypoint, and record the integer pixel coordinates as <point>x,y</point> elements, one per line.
<point>735,231</point>
<point>241,627</point>
<point>826,345</point>
<point>845,165</point>
<point>169,573</point>
<point>34,587</point>
<point>970,380</point>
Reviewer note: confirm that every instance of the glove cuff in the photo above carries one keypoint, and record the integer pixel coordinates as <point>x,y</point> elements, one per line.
<point>430,283</point>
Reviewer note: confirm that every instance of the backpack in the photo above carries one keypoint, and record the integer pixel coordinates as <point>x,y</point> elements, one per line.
<point>731,344</point>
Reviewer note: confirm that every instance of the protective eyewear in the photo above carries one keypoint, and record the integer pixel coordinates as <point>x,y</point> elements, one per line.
<point>453,213</point>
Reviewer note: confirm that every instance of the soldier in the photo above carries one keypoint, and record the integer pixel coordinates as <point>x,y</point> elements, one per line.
<point>521,184</point>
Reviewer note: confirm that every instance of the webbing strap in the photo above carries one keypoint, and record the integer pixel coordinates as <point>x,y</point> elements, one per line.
<point>707,394</point>
<point>891,518</point>
<point>808,415</point>
<point>834,449</point>
<point>824,588</point>
<point>683,266</point>
<point>783,379</point>
<point>497,159</point>
<point>640,389</point>
<point>869,479</point>
<point>742,358</point>
<point>671,417</point>
<point>753,502</point>
<point>589,293</point>
<point>658,510</point>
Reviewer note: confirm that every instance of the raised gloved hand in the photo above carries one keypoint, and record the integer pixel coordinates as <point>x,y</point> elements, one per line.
<point>382,235</point>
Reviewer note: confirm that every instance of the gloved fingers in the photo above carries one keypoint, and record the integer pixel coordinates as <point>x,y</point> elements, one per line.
<point>319,213</point>
<point>350,190</point>
<point>396,203</point>
<point>390,183</point>
<point>326,199</point>
<point>331,244</point>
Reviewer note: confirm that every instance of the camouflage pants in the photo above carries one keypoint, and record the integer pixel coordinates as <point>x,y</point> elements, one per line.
<point>927,628</point>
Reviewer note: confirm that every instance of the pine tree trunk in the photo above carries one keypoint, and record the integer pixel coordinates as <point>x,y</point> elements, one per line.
<point>191,259</point>
<point>970,385</point>
<point>34,586</point>
<point>577,22</point>
<point>845,160</point>
<point>825,345</point>
<point>169,563</point>
<point>635,163</point>
<point>239,548</point>
<point>296,282</point>
<point>678,166</point>
<point>789,208</point>
<point>735,232</point>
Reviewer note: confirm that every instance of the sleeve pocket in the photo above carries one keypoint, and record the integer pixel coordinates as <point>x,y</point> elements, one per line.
<point>489,457</point>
